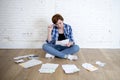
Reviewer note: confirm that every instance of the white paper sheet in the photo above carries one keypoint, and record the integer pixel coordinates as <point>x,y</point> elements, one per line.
<point>48,68</point>
<point>63,42</point>
<point>70,68</point>
<point>100,63</point>
<point>89,67</point>
<point>30,63</point>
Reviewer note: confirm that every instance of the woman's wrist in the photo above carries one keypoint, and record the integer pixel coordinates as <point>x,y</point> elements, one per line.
<point>71,43</point>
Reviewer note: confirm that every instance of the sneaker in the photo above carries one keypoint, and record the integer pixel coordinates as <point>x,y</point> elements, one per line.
<point>72,57</point>
<point>49,56</point>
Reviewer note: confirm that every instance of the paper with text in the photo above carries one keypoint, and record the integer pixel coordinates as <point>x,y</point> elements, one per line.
<point>48,68</point>
<point>70,68</point>
<point>63,42</point>
<point>30,63</point>
<point>89,67</point>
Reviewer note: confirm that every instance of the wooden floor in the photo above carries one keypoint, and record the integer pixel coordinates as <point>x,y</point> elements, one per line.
<point>12,71</point>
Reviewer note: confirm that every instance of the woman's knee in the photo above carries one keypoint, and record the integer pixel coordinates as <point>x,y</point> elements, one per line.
<point>44,46</point>
<point>76,48</point>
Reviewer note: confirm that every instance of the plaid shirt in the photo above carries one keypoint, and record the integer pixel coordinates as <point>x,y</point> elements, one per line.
<point>67,32</point>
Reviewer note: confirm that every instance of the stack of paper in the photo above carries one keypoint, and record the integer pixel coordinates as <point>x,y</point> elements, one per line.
<point>48,68</point>
<point>89,67</point>
<point>70,68</point>
<point>30,63</point>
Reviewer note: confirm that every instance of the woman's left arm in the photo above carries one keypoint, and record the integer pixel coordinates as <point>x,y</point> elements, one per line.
<point>70,34</point>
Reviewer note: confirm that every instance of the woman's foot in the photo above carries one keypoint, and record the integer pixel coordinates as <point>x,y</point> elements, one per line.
<point>72,57</point>
<point>47,55</point>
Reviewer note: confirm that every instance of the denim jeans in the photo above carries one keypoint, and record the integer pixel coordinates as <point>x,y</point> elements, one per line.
<point>60,51</point>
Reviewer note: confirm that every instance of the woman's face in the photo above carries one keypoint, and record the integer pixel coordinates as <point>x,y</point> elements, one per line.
<point>59,24</point>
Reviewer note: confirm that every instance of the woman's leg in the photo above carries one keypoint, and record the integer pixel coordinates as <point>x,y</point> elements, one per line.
<point>71,50</point>
<point>54,50</point>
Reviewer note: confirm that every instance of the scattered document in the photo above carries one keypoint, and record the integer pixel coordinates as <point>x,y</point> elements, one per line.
<point>89,67</point>
<point>33,57</point>
<point>30,63</point>
<point>19,61</point>
<point>70,68</point>
<point>48,68</point>
<point>63,42</point>
<point>20,57</point>
<point>100,63</point>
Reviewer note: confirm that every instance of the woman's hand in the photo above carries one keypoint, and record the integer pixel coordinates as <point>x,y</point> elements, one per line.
<point>69,44</point>
<point>50,27</point>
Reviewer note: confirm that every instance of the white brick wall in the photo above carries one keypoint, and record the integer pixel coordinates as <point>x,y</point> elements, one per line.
<point>95,23</point>
<point>23,23</point>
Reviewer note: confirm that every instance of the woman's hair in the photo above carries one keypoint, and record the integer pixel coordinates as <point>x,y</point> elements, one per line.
<point>56,17</point>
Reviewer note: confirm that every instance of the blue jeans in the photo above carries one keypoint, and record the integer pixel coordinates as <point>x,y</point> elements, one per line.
<point>60,51</point>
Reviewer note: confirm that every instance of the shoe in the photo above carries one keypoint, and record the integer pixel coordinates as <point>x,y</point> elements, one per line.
<point>49,56</point>
<point>72,57</point>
